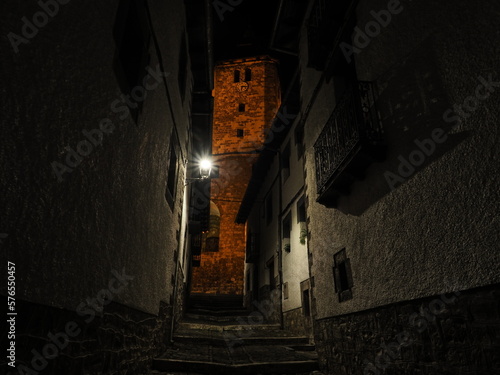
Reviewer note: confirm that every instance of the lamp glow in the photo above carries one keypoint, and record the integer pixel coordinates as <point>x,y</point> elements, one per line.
<point>205,164</point>
<point>205,168</point>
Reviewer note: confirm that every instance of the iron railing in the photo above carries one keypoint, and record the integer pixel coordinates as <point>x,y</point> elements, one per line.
<point>354,123</point>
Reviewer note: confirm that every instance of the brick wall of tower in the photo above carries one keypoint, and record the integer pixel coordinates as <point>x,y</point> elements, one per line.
<point>222,272</point>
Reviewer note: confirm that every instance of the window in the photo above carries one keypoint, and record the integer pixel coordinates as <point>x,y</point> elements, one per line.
<point>287,225</point>
<point>287,228</point>
<point>342,276</point>
<point>239,133</point>
<point>305,294</point>
<point>236,76</point>
<point>269,208</point>
<point>285,162</point>
<point>299,140</point>
<point>241,107</point>
<point>171,175</point>
<point>285,290</point>
<point>132,38</point>
<point>301,210</point>
<point>248,74</point>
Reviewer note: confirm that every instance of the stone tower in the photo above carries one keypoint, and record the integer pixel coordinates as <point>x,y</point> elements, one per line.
<point>246,98</point>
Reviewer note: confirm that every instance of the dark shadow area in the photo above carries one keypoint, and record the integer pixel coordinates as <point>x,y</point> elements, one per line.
<point>411,102</point>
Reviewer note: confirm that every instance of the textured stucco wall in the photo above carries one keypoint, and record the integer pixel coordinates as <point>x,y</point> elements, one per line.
<point>110,212</point>
<point>438,231</point>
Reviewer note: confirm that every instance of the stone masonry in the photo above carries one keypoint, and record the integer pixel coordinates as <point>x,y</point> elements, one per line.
<point>246,98</point>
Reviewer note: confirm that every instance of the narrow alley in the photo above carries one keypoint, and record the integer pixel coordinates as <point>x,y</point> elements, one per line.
<point>305,187</point>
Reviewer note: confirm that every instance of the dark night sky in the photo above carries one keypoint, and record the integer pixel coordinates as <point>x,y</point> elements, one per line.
<point>246,31</point>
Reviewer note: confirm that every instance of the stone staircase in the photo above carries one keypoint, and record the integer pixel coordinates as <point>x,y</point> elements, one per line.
<point>217,337</point>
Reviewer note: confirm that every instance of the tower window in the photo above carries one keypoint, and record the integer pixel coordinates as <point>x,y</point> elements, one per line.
<point>241,107</point>
<point>248,74</point>
<point>236,76</point>
<point>239,133</point>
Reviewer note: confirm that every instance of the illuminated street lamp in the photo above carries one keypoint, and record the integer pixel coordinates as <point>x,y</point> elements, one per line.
<point>205,169</point>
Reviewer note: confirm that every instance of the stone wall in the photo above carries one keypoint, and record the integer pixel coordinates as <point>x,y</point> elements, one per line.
<point>294,321</point>
<point>449,334</point>
<point>121,340</point>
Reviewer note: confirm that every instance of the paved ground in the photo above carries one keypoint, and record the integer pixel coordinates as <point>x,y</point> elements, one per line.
<point>236,355</point>
<point>214,342</point>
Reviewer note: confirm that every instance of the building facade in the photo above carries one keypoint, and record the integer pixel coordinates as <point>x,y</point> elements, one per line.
<point>399,166</point>
<point>95,141</point>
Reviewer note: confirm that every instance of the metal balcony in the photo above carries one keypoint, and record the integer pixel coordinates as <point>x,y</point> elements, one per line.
<point>349,142</point>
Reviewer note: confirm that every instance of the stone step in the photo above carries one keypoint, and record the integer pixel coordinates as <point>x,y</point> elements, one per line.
<point>302,347</point>
<point>291,367</point>
<point>298,343</point>
<point>226,326</point>
<point>198,317</point>
<point>218,312</point>
<point>247,359</point>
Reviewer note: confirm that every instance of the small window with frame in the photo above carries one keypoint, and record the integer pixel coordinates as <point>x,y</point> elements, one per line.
<point>342,275</point>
